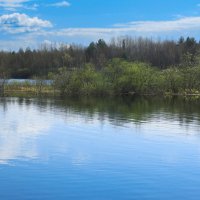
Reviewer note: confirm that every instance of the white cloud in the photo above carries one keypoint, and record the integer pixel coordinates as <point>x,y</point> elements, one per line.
<point>132,28</point>
<point>19,41</point>
<point>20,23</point>
<point>182,26</point>
<point>31,7</point>
<point>12,4</point>
<point>60,4</point>
<point>184,23</point>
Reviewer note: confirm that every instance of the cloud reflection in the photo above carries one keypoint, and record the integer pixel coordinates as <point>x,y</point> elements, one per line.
<point>20,127</point>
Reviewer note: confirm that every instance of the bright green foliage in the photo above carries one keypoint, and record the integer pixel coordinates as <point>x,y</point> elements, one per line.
<point>120,77</point>
<point>127,77</point>
<point>191,78</point>
<point>84,81</point>
<point>172,80</point>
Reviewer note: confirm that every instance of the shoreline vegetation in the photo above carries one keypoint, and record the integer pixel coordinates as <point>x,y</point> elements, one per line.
<point>127,67</point>
<point>118,78</point>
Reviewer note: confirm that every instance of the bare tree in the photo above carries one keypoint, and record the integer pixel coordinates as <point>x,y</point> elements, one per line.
<point>3,80</point>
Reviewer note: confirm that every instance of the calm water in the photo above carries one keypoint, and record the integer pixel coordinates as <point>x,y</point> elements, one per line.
<point>31,81</point>
<point>99,149</point>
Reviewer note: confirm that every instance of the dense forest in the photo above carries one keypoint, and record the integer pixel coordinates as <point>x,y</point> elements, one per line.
<point>49,58</point>
<point>123,66</point>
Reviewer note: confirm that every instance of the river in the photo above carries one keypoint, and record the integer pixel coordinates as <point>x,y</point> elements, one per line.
<point>99,148</point>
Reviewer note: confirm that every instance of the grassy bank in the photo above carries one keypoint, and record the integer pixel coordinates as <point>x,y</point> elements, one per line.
<point>37,88</point>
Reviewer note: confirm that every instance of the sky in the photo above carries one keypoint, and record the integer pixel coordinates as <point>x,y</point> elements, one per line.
<point>31,23</point>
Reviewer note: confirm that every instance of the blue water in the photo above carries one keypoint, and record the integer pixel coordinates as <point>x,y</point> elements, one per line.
<point>31,81</point>
<point>99,149</point>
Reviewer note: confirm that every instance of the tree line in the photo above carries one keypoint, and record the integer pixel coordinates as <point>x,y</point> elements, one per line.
<point>162,54</point>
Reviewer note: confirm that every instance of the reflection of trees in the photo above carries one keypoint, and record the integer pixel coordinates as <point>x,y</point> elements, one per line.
<point>134,109</point>
<point>119,110</point>
<point>37,118</point>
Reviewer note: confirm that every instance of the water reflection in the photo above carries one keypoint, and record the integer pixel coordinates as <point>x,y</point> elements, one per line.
<point>137,110</point>
<point>23,120</point>
<point>91,148</point>
<point>20,125</point>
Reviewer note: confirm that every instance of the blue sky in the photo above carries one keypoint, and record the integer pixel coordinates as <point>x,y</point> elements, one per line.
<point>33,22</point>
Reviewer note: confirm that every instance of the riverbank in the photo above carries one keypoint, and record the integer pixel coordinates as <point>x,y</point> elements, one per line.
<point>117,78</point>
<point>21,90</point>
<point>29,88</point>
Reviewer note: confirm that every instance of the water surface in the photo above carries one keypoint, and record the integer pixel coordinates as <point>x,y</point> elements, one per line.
<point>132,148</point>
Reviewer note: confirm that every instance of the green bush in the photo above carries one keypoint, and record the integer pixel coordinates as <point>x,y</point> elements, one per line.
<point>120,77</point>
